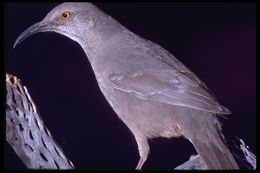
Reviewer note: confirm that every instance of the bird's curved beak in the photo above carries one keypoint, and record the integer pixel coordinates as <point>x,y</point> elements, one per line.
<point>38,27</point>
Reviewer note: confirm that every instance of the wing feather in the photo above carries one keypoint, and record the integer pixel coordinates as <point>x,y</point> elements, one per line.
<point>170,87</point>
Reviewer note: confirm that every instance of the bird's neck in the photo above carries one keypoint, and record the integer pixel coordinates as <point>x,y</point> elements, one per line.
<point>97,41</point>
<point>99,36</point>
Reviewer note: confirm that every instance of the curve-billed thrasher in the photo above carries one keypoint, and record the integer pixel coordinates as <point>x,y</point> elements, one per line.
<point>151,91</point>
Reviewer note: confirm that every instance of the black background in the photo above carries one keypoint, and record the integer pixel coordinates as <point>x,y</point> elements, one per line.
<point>217,41</point>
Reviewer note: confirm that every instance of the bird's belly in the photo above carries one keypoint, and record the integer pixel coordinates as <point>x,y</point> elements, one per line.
<point>146,117</point>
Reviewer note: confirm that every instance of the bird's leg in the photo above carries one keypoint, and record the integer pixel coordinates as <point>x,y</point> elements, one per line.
<point>140,164</point>
<point>143,148</point>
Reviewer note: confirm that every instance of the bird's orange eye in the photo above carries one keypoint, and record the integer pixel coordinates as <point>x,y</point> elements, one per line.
<point>65,15</point>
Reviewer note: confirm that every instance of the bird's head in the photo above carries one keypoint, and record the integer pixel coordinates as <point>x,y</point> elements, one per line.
<point>73,20</point>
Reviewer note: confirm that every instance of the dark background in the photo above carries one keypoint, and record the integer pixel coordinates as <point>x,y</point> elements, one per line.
<point>217,41</point>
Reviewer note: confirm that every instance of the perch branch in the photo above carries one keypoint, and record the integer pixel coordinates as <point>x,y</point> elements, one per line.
<point>26,132</point>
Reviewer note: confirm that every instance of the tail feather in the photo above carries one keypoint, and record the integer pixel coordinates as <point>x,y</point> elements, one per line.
<point>214,151</point>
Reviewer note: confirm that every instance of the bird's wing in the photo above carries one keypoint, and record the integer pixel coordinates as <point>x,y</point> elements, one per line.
<point>170,87</point>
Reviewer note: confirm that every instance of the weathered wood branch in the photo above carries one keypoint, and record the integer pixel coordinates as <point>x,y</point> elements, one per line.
<point>27,133</point>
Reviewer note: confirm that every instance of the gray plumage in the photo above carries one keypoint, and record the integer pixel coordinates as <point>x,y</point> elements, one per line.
<point>151,91</point>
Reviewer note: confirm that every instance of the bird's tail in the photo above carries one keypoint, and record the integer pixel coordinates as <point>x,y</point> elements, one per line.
<point>211,146</point>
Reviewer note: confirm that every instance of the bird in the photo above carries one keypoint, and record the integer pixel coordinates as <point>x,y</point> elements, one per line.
<point>150,90</point>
